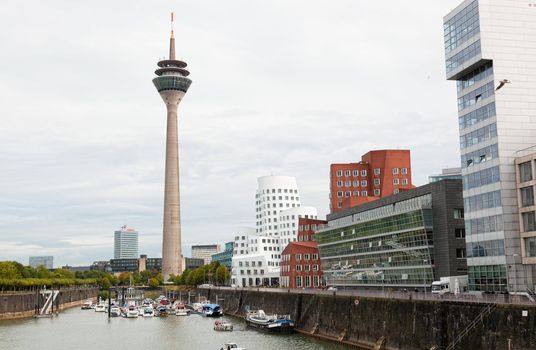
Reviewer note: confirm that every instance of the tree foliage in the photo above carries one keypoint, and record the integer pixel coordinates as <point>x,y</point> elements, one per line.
<point>213,273</point>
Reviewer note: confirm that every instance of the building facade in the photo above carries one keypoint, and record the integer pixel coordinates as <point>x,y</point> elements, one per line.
<point>205,252</point>
<point>526,180</point>
<point>225,258</point>
<point>126,243</point>
<point>289,222</point>
<point>274,194</point>
<point>46,261</point>
<point>448,173</point>
<point>490,53</point>
<point>407,240</point>
<point>256,259</point>
<point>300,266</point>
<point>379,173</point>
<point>193,263</point>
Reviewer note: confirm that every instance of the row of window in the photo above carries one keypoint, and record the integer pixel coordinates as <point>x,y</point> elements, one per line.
<point>484,225</point>
<point>267,198</point>
<point>482,201</point>
<point>475,76</point>
<point>274,205</point>
<point>476,95</point>
<point>461,27</point>
<point>480,156</point>
<point>480,135</point>
<point>490,278</point>
<point>478,115</point>
<point>253,263</point>
<point>249,272</point>
<point>463,56</point>
<point>481,178</point>
<point>377,171</point>
<point>300,268</point>
<point>279,190</point>
<point>306,281</point>
<point>485,248</point>
<point>286,257</point>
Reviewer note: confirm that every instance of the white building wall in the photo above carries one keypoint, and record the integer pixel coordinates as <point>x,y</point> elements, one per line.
<point>288,223</point>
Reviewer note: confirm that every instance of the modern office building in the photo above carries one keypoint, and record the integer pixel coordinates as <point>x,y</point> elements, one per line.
<point>447,173</point>
<point>192,263</point>
<point>274,194</point>
<point>135,264</point>
<point>225,258</point>
<point>46,261</point>
<point>406,240</point>
<point>172,84</point>
<point>103,265</point>
<point>490,49</point>
<point>379,173</point>
<point>205,252</point>
<point>126,243</point>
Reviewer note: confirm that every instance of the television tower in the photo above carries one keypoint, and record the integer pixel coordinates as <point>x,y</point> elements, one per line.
<point>172,83</point>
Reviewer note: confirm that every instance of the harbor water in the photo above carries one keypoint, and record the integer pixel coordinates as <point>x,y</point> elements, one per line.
<point>87,329</point>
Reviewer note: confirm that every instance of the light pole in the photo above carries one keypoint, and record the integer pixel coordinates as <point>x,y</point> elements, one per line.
<point>424,275</point>
<point>515,272</point>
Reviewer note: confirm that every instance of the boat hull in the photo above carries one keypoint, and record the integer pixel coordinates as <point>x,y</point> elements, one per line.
<point>274,327</point>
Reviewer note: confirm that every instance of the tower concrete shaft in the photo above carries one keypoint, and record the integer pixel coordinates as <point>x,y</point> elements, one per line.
<point>172,84</point>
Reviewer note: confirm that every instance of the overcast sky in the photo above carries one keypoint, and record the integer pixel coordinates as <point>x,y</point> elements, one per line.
<point>284,87</point>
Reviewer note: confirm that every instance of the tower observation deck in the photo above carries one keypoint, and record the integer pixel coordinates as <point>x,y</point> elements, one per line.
<point>172,83</point>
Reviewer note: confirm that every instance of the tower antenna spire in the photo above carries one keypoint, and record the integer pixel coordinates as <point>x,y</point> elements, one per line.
<point>172,41</point>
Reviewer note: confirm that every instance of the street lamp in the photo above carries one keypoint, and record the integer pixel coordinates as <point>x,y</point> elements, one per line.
<point>424,275</point>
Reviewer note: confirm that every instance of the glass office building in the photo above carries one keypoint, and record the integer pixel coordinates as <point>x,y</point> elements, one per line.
<point>489,53</point>
<point>407,240</point>
<point>226,257</point>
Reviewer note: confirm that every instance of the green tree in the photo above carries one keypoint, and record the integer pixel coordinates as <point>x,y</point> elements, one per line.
<point>63,273</point>
<point>8,270</point>
<point>124,277</point>
<point>154,282</point>
<point>222,275</point>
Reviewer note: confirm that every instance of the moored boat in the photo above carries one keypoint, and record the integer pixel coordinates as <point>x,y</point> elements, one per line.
<point>273,323</point>
<point>132,312</point>
<point>100,307</point>
<point>181,310</point>
<point>115,311</point>
<point>212,310</point>
<point>231,346</point>
<point>87,305</point>
<point>223,326</point>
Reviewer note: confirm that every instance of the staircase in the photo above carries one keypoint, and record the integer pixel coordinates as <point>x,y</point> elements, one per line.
<point>51,296</point>
<point>478,319</point>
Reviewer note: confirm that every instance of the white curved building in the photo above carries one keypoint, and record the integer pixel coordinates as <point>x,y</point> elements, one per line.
<point>288,223</point>
<point>274,194</point>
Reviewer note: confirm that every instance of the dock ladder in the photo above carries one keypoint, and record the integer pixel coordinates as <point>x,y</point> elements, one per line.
<point>478,319</point>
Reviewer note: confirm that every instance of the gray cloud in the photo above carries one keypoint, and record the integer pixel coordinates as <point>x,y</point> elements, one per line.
<point>278,87</point>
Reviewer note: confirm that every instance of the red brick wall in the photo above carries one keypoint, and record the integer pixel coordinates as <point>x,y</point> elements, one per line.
<point>290,261</point>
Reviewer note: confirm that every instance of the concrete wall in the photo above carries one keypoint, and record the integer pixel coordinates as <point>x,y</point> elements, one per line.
<point>22,304</point>
<point>405,324</point>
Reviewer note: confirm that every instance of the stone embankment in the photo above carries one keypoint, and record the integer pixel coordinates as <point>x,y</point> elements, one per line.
<point>392,324</point>
<point>23,304</point>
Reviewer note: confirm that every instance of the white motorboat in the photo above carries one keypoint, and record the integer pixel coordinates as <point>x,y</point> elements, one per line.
<point>229,346</point>
<point>87,304</point>
<point>181,310</point>
<point>115,311</point>
<point>148,311</point>
<point>100,307</point>
<point>223,326</point>
<point>132,312</point>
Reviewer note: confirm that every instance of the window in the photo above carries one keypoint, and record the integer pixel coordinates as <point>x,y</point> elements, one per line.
<point>377,182</point>
<point>356,183</point>
<point>298,281</point>
<point>315,267</point>
<point>461,253</point>
<point>525,172</point>
<point>347,173</point>
<point>298,256</point>
<point>363,173</point>
<point>339,184</point>
<point>364,193</point>
<point>404,171</point>
<point>298,267</point>
<point>527,196</point>
<point>377,171</point>
<point>339,174</point>
<point>339,194</point>
<point>348,193</point>
<point>348,183</point>
<point>339,205</point>
<point>356,172</point>
<point>458,213</point>
<point>307,267</point>
<point>364,183</point>
<point>356,193</point>
<point>404,181</point>
<point>459,233</point>
<point>307,281</point>
<point>396,190</point>
<point>306,257</point>
<point>530,247</point>
<point>529,221</point>
<point>315,256</point>
<point>396,181</point>
<point>316,281</point>
<point>376,192</point>
<point>395,171</point>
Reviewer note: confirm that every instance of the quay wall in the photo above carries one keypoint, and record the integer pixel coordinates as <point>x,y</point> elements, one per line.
<point>23,304</point>
<point>390,324</point>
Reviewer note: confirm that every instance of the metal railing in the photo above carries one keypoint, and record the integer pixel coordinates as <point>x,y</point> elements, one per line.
<point>398,295</point>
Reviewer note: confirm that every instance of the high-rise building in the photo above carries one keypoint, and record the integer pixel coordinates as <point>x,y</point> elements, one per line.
<point>172,84</point>
<point>126,243</point>
<point>274,194</point>
<point>379,173</point>
<point>205,252</point>
<point>46,261</point>
<point>490,51</point>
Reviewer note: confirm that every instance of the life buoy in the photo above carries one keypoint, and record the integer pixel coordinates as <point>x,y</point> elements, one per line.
<point>356,302</point>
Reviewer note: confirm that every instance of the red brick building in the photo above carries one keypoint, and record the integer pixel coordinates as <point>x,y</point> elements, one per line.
<point>379,174</point>
<point>300,261</point>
